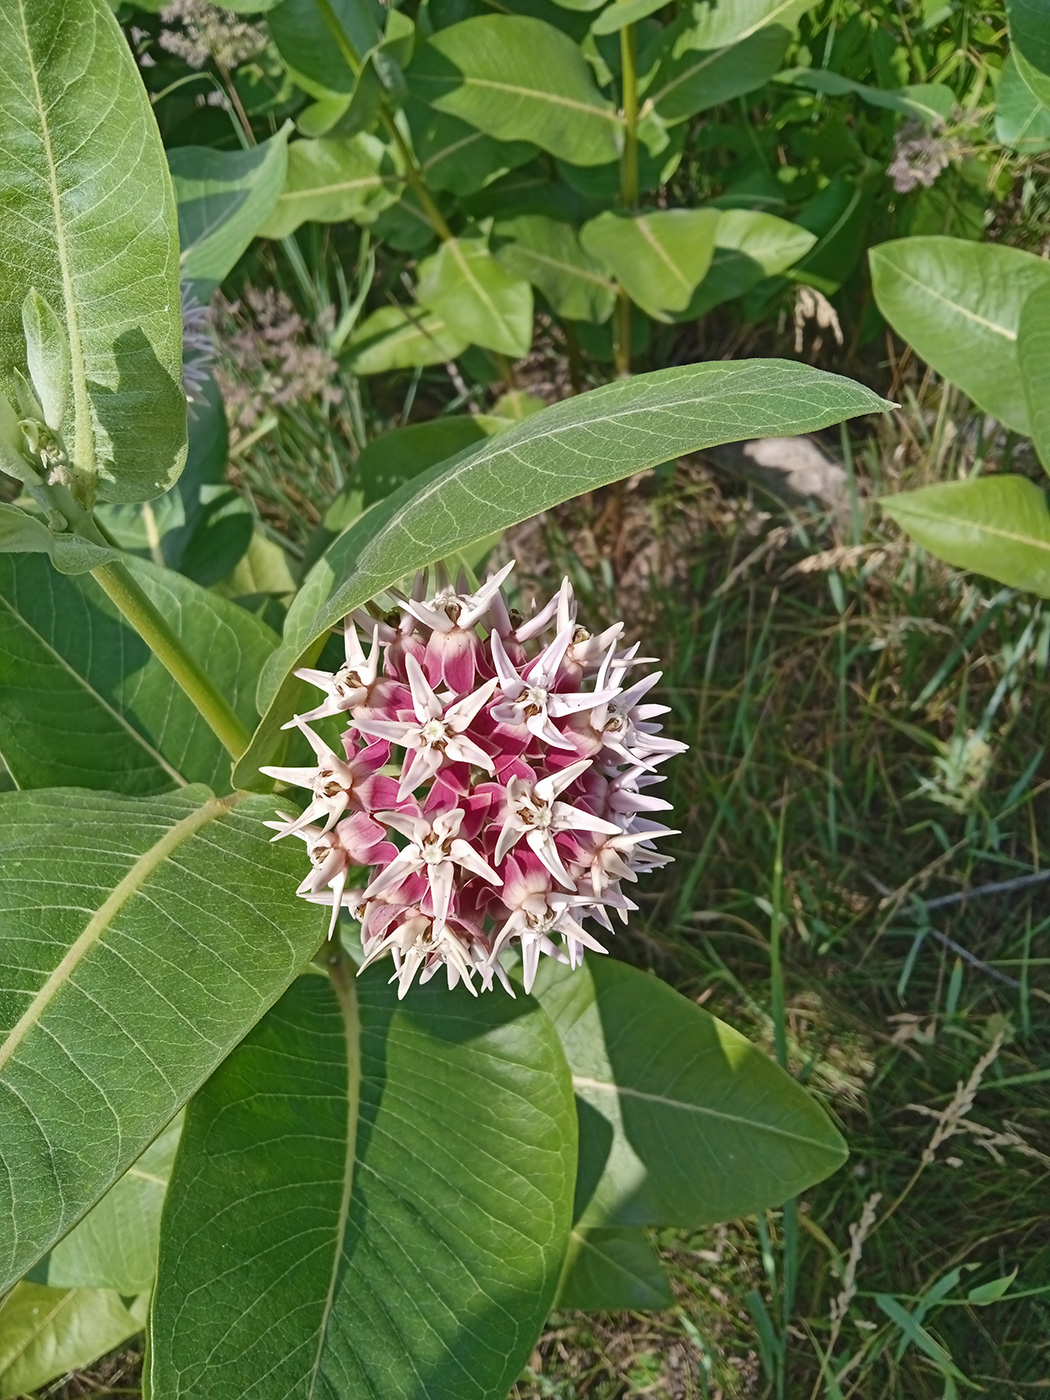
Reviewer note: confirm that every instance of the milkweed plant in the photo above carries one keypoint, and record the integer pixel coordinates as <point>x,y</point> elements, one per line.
<point>293,1138</point>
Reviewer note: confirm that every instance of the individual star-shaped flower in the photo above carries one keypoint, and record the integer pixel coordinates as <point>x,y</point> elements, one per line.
<point>454,646</point>
<point>532,700</point>
<point>348,687</point>
<point>336,783</point>
<point>437,735</point>
<point>537,911</point>
<point>434,848</point>
<point>531,809</point>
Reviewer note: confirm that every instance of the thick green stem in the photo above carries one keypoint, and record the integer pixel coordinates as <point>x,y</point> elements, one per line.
<point>628,177</point>
<point>117,582</point>
<point>414,176</point>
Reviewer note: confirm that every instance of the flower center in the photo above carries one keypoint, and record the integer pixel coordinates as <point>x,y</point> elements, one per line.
<point>434,733</point>
<point>534,701</point>
<point>328,783</point>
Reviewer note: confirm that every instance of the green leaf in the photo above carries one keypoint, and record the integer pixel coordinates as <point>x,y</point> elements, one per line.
<point>401,337</point>
<point>984,1293</point>
<point>959,304</point>
<point>85,703</point>
<point>912,1332</point>
<point>519,79</point>
<point>549,255</point>
<point>416,1163</point>
<point>334,179</point>
<point>115,1245</point>
<point>175,929</point>
<point>718,26</point>
<point>682,1120</point>
<point>572,447</point>
<point>1021,120</point>
<point>1036,81</point>
<point>47,356</point>
<point>1033,355</point>
<point>998,526</point>
<point>694,81</point>
<point>456,157</point>
<point>306,43</point>
<point>21,533</point>
<point>1030,33</point>
<point>45,1332</point>
<point>749,247</point>
<point>82,173</point>
<point>932,103</point>
<point>618,16</point>
<point>659,257</point>
<point>466,287</point>
<point>610,1271</point>
<point>224,198</point>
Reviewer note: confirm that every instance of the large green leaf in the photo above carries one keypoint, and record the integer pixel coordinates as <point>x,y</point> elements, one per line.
<point>549,255</point>
<point>612,1270</point>
<point>1030,33</point>
<point>45,1332</point>
<point>332,179</point>
<point>692,81</point>
<point>224,199</point>
<point>1021,120</point>
<point>88,219</point>
<point>369,1199</point>
<point>466,287</point>
<point>996,525</point>
<point>456,157</point>
<point>1033,354</point>
<point>304,40</point>
<point>749,247</point>
<point>140,938</point>
<point>718,26</point>
<point>84,702</point>
<point>682,1120</point>
<point>115,1245</point>
<point>572,447</point>
<point>401,337</point>
<point>659,257</point>
<point>959,304</point>
<point>519,79</point>
<point>931,103</point>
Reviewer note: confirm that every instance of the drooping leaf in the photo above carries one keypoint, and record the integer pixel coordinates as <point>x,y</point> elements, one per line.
<point>332,179</point>
<point>694,80</point>
<point>457,157</point>
<point>401,337</point>
<point>682,1120</point>
<point>309,48</point>
<point>549,255</point>
<point>82,172</point>
<point>115,1245</point>
<point>45,1332</point>
<point>574,446</point>
<point>22,533</point>
<point>658,256</point>
<point>749,247</point>
<point>224,198</point>
<point>612,1270</point>
<point>85,703</point>
<point>613,18</point>
<point>466,287</point>
<point>518,79</point>
<point>931,103</point>
<point>998,526</point>
<point>417,1162</point>
<point>1021,120</point>
<point>1033,354</point>
<point>959,304</point>
<point>718,26</point>
<point>140,938</point>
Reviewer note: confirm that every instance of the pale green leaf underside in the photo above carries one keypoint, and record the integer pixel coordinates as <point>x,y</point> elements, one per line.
<point>476,297</point>
<point>958,304</point>
<point>400,337</point>
<point>139,940</point>
<point>82,172</point>
<point>1033,355</point>
<point>333,179</point>
<point>406,1246</point>
<point>682,1120</point>
<point>996,525</point>
<point>45,1332</point>
<point>659,256</point>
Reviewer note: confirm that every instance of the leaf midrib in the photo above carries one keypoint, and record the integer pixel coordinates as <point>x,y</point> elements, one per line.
<point>104,915</point>
<point>555,99</point>
<point>958,522</point>
<point>115,714</point>
<point>580,1081</point>
<point>84,451</point>
<point>954,305</point>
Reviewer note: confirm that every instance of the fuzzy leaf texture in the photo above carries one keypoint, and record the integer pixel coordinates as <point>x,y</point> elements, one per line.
<point>82,172</point>
<point>139,939</point>
<point>572,447</point>
<point>370,1199</point>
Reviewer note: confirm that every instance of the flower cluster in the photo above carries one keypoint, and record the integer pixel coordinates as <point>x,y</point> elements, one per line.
<point>521,802</point>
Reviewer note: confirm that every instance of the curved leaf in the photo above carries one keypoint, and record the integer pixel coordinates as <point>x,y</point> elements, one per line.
<point>401,337</point>
<point>572,447</point>
<point>139,939</point>
<point>466,287</point>
<point>45,1332</point>
<point>1030,32</point>
<point>1033,354</point>
<point>658,256</point>
<point>611,1270</point>
<point>682,1120</point>
<point>749,247</point>
<point>1021,120</point>
<point>998,526</point>
<point>519,79</point>
<point>82,172</point>
<point>683,84</point>
<point>457,157</point>
<point>368,1200</point>
<point>306,43</point>
<point>332,179</point>
<point>717,26</point>
<point>959,304</point>
<point>548,253</point>
<point>84,702</point>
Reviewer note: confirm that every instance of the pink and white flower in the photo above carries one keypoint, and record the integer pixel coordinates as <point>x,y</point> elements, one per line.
<point>521,806</point>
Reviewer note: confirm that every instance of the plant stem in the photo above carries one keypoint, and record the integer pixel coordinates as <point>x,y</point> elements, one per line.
<point>117,582</point>
<point>415,178</point>
<point>628,178</point>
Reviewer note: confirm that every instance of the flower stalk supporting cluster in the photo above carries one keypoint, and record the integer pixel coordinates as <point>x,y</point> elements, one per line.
<point>492,791</point>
